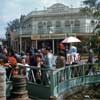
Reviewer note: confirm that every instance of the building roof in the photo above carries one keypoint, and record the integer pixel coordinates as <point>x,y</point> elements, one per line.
<point>58,5</point>
<point>57,8</point>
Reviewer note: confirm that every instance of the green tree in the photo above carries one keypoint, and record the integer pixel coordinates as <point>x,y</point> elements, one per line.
<point>90,3</point>
<point>92,8</point>
<point>13,25</point>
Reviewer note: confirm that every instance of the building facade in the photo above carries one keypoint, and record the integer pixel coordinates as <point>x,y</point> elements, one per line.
<point>57,19</point>
<point>53,24</point>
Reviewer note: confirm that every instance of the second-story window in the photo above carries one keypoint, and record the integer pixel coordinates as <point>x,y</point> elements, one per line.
<point>49,24</point>
<point>58,24</point>
<point>76,27</point>
<point>67,24</point>
<point>40,25</point>
<point>30,26</point>
<point>77,23</point>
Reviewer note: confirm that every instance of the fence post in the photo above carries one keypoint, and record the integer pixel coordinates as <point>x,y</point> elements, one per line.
<point>52,82</point>
<point>69,72</point>
<point>2,83</point>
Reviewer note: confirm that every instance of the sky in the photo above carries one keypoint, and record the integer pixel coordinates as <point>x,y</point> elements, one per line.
<point>12,9</point>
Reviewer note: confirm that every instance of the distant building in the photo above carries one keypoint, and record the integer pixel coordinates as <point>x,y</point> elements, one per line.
<point>52,25</point>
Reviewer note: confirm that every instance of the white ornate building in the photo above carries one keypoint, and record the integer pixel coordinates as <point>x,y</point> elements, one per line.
<point>58,19</point>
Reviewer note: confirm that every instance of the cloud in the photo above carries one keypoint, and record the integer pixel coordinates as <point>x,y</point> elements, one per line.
<point>2,26</point>
<point>12,9</point>
<point>47,3</point>
<point>74,3</point>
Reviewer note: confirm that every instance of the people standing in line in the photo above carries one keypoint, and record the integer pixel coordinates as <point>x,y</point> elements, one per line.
<point>60,60</point>
<point>5,50</point>
<point>12,59</point>
<point>39,66</point>
<point>91,62</point>
<point>67,48</point>
<point>27,58</point>
<point>81,65</point>
<point>18,56</point>
<point>50,57</point>
<point>61,46</point>
<point>32,50</point>
<point>27,49</point>
<point>3,57</point>
<point>32,63</point>
<point>24,69</point>
<point>13,70</point>
<point>47,58</point>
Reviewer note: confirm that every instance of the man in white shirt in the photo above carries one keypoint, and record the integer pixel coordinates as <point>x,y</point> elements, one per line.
<point>50,58</point>
<point>47,63</point>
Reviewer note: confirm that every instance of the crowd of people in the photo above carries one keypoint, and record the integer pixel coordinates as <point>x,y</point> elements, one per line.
<point>42,58</point>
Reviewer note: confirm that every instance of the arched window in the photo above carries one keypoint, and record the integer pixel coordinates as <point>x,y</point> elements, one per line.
<point>58,24</point>
<point>67,23</point>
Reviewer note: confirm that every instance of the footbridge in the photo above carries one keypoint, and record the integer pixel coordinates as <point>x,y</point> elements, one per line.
<point>43,82</point>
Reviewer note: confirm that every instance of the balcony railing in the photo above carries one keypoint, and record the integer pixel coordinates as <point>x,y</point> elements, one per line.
<point>69,29</point>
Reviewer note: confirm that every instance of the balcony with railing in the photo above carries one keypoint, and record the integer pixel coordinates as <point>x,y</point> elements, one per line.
<point>60,30</point>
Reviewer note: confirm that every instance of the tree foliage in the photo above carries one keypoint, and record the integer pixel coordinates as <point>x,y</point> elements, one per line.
<point>13,25</point>
<point>90,3</point>
<point>92,8</point>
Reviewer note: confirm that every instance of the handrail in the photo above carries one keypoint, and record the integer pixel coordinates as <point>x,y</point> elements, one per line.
<point>61,79</point>
<point>74,75</point>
